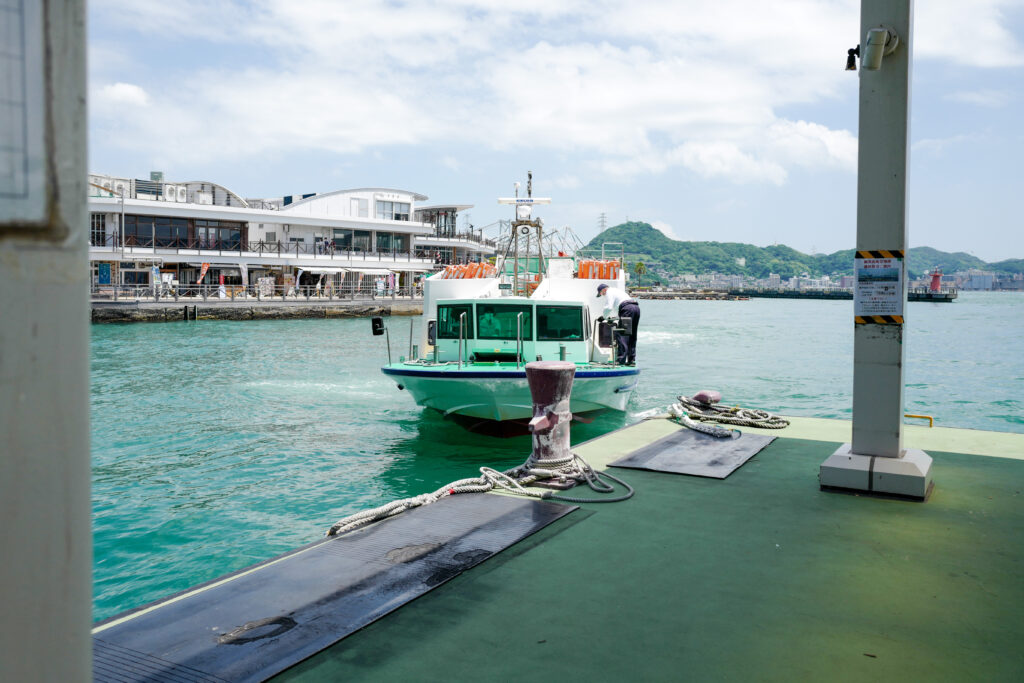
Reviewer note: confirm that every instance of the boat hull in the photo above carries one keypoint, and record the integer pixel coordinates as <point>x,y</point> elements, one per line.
<point>499,394</point>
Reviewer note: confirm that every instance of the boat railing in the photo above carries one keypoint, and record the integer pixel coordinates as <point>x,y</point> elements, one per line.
<point>519,338</point>
<point>462,323</point>
<point>609,251</point>
<point>946,289</point>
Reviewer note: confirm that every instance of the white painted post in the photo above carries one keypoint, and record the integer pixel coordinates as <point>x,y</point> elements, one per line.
<point>876,460</point>
<point>45,535</point>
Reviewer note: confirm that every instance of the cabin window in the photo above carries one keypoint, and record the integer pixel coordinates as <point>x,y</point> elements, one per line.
<point>559,323</point>
<point>448,321</point>
<point>499,322</point>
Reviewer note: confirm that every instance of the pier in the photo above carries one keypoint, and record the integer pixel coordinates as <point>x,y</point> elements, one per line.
<point>792,293</point>
<point>735,579</point>
<point>249,309</point>
<point>720,579</point>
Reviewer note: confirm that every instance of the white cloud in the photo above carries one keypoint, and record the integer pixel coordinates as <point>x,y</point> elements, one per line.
<point>451,162</point>
<point>967,33</point>
<point>628,89</point>
<point>566,182</point>
<point>726,159</point>
<point>981,98</point>
<point>121,94</point>
<point>665,229</point>
<point>811,144</point>
<point>940,145</point>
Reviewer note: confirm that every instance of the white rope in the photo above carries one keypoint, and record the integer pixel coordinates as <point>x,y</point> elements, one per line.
<point>564,470</point>
<point>696,412</point>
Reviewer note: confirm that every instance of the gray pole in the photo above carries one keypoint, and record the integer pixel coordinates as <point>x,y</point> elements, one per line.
<point>46,538</point>
<point>876,460</point>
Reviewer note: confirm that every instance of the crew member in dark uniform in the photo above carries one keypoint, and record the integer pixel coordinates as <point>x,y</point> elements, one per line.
<point>618,301</point>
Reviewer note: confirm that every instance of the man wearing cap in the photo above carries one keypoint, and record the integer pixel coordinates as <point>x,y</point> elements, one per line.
<point>619,301</point>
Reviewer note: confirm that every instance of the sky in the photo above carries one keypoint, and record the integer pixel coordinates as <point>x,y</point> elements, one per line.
<point>724,120</point>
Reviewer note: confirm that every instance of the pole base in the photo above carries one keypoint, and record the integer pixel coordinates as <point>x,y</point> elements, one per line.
<point>909,476</point>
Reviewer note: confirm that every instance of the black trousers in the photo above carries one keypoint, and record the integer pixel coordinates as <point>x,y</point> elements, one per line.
<point>627,342</point>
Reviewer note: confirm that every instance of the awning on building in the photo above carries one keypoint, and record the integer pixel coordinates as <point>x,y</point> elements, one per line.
<point>372,271</point>
<point>324,271</point>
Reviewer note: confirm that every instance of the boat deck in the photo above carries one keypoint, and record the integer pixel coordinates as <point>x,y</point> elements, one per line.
<point>759,576</point>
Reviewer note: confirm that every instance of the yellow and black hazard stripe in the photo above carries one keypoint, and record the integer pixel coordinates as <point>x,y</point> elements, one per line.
<point>882,253</point>
<point>878,319</point>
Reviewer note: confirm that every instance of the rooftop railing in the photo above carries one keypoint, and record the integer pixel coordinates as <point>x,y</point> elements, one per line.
<point>460,237</point>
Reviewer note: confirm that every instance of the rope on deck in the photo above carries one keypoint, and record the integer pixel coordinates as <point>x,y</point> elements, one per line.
<point>562,471</point>
<point>692,413</point>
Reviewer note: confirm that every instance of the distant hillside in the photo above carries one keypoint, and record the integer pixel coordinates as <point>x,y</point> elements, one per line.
<point>644,243</point>
<point>1014,265</point>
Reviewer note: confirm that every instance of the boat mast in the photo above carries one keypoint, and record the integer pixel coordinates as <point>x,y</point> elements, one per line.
<point>523,220</point>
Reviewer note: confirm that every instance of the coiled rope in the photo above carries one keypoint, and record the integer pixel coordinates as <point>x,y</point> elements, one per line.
<point>562,471</point>
<point>696,412</point>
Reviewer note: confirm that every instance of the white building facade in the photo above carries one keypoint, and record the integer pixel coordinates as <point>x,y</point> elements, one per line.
<point>147,232</point>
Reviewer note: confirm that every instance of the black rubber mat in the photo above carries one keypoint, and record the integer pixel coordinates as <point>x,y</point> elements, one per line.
<point>690,452</point>
<point>261,620</point>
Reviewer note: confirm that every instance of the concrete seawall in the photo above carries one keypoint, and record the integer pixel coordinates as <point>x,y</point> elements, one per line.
<point>153,313</point>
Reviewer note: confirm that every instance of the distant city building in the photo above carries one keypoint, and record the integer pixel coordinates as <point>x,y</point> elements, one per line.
<point>978,280</point>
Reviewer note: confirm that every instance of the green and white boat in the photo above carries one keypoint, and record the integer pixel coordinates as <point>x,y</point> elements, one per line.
<point>483,324</point>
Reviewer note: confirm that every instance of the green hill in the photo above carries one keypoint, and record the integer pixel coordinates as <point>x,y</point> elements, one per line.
<point>644,243</point>
<point>1014,265</point>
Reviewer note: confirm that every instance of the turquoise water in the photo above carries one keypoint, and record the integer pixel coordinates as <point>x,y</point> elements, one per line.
<point>220,444</point>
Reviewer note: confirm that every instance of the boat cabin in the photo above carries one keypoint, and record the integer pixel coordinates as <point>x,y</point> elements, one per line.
<point>507,329</point>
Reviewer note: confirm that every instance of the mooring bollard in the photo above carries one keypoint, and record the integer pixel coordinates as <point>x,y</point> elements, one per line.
<point>550,386</point>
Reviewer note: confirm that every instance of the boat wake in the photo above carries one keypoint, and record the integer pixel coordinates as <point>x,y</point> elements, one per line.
<point>668,338</point>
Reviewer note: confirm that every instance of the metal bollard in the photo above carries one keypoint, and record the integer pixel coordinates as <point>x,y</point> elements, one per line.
<point>550,386</point>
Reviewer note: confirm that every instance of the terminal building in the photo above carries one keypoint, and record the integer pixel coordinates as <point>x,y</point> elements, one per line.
<point>201,232</point>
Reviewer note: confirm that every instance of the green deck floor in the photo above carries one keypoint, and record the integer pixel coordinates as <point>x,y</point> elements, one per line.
<point>757,577</point>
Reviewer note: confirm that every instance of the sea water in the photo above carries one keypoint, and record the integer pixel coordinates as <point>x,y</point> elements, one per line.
<point>219,444</point>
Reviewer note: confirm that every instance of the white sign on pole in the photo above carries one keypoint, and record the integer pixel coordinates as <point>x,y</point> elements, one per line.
<point>879,287</point>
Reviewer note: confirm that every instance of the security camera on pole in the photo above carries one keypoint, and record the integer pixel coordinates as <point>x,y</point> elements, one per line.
<point>875,461</point>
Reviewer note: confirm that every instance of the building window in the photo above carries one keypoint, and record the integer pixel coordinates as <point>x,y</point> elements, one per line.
<point>98,229</point>
<point>362,240</point>
<point>444,223</point>
<point>393,211</point>
<point>352,240</point>
<point>171,232</point>
<point>219,234</point>
<point>392,242</point>
<point>343,239</point>
<point>360,208</point>
<point>167,232</point>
